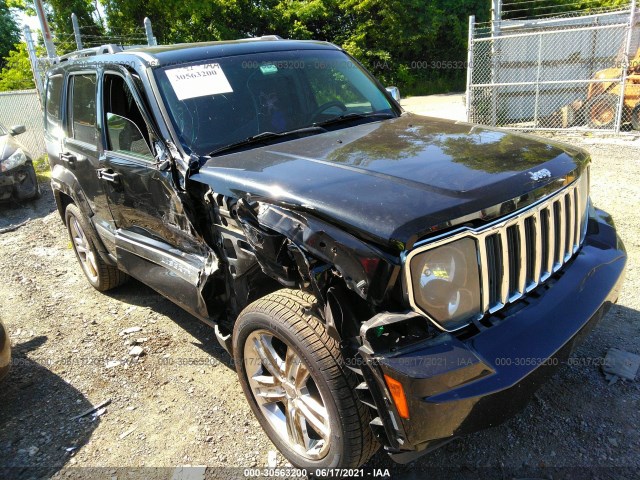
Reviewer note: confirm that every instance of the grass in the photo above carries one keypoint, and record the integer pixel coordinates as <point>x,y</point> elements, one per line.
<point>43,170</point>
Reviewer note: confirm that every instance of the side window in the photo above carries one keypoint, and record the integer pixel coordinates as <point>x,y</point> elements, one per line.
<point>82,103</point>
<point>125,126</point>
<point>54,93</point>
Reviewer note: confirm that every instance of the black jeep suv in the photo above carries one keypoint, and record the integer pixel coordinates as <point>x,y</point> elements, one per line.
<point>380,278</point>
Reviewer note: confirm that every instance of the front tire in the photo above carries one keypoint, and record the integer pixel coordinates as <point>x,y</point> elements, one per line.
<point>100,275</point>
<point>293,376</point>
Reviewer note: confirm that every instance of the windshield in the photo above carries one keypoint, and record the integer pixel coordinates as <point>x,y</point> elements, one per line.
<point>223,101</point>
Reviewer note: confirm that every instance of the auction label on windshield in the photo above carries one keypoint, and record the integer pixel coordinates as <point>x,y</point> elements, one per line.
<point>198,81</point>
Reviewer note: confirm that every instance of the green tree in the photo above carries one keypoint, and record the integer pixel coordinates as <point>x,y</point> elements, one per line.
<point>9,31</point>
<point>59,16</point>
<point>16,74</point>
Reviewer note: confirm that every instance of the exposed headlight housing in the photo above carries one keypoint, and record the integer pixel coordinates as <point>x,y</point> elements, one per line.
<point>446,283</point>
<point>15,160</point>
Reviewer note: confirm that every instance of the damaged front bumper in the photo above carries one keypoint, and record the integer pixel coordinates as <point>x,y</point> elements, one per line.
<point>456,385</point>
<point>20,183</point>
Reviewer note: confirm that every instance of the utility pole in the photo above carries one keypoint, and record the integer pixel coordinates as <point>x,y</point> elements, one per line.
<point>76,30</point>
<point>44,27</point>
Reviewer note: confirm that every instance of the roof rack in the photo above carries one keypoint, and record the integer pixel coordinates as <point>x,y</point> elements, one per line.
<point>93,51</point>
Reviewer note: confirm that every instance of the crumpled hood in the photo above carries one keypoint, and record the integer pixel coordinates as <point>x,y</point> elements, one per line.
<point>395,180</point>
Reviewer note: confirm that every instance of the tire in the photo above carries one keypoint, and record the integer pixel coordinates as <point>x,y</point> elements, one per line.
<point>600,111</point>
<point>101,276</point>
<point>333,424</point>
<point>635,117</point>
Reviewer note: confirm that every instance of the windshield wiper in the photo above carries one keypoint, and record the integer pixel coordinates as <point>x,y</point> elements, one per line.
<point>266,136</point>
<point>347,117</point>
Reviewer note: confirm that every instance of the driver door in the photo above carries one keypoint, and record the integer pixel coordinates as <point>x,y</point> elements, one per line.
<point>153,236</point>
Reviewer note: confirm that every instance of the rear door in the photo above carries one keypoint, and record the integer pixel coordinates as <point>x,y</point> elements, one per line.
<point>154,238</point>
<point>81,146</point>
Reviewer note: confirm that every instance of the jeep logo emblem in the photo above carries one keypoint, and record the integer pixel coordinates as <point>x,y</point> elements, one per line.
<point>540,175</point>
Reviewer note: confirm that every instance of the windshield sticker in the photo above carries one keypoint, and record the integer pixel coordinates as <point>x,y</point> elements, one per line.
<point>198,81</point>
<point>268,69</point>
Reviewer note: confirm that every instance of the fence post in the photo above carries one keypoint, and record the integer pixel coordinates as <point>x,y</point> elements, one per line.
<point>76,30</point>
<point>472,22</point>
<point>151,40</point>
<point>625,66</point>
<point>537,98</point>
<point>496,19</point>
<point>33,59</point>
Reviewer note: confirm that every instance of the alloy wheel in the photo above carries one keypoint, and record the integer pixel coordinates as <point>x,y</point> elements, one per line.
<point>287,394</point>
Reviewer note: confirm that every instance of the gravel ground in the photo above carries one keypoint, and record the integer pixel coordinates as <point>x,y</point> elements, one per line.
<point>180,403</point>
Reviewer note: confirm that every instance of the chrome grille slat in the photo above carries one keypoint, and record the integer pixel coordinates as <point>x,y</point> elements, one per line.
<point>537,253</point>
<point>504,286</point>
<point>571,228</point>
<point>551,238</point>
<point>561,235</point>
<point>522,266</point>
<point>484,273</point>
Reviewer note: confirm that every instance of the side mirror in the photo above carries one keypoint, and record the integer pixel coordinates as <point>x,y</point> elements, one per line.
<point>17,129</point>
<point>395,93</point>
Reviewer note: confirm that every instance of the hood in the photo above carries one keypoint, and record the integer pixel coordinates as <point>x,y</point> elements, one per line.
<point>396,180</point>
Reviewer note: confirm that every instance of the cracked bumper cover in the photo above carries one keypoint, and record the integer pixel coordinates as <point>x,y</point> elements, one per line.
<point>455,387</point>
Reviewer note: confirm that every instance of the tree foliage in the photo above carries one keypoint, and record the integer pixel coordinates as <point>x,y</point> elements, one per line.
<point>403,42</point>
<point>9,31</point>
<point>16,74</point>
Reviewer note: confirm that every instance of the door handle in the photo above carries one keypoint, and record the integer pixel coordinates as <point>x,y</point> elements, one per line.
<point>69,158</point>
<point>108,175</point>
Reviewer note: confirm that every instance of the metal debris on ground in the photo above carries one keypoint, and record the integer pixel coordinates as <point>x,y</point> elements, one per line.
<point>620,364</point>
<point>92,409</point>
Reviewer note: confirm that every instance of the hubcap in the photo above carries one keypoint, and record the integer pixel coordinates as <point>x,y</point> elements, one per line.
<point>287,394</point>
<point>81,246</point>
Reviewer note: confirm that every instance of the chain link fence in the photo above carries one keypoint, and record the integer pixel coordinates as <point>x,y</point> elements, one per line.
<point>557,73</point>
<point>22,107</point>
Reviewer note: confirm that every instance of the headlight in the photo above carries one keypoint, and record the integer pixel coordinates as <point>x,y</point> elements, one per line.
<point>446,283</point>
<point>16,159</point>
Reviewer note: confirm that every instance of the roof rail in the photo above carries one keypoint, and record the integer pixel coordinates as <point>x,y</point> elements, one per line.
<point>93,51</point>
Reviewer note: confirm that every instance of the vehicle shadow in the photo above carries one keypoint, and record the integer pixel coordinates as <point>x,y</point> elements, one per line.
<point>37,433</point>
<point>138,294</point>
<point>13,213</point>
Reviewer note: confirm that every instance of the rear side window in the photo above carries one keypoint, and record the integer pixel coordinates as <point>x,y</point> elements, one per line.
<point>82,107</point>
<point>54,93</point>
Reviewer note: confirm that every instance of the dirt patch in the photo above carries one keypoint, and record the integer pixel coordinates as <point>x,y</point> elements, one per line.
<point>179,403</point>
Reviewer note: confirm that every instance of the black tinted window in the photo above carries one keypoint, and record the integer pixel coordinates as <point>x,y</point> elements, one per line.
<point>83,107</point>
<point>54,91</point>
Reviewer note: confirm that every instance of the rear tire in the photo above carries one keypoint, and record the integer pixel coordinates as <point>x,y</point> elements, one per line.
<point>294,378</point>
<point>100,275</point>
